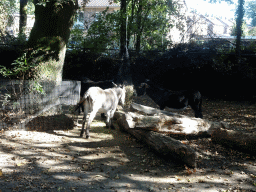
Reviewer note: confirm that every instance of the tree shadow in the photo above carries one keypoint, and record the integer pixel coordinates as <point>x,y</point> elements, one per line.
<point>109,161</point>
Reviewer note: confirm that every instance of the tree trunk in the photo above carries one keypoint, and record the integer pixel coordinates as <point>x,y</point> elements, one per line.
<point>23,17</point>
<point>239,22</point>
<point>139,28</point>
<point>49,36</point>
<point>123,30</point>
<point>124,68</point>
<point>129,30</point>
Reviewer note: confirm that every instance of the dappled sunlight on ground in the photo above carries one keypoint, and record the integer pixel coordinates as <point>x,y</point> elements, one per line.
<point>59,160</point>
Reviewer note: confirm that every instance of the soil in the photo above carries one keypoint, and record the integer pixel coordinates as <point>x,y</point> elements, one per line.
<point>49,157</point>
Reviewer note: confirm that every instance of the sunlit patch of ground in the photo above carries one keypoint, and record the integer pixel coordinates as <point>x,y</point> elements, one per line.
<point>59,160</point>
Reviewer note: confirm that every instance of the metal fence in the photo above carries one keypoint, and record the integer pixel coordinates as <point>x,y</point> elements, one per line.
<point>35,105</point>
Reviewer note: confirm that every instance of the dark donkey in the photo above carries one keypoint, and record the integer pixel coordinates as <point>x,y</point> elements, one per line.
<point>172,99</point>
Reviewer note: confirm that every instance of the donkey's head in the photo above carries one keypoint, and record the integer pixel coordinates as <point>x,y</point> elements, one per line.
<point>120,91</point>
<point>141,89</point>
<point>122,97</point>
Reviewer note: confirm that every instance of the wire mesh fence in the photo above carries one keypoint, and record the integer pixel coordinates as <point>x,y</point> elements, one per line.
<point>37,105</point>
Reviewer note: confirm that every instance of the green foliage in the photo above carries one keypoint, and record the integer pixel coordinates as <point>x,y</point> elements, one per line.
<point>252,31</point>
<point>151,31</point>
<point>76,38</point>
<point>6,99</point>
<point>103,32</point>
<point>20,64</point>
<point>154,24</point>
<point>20,69</point>
<point>7,8</point>
<point>56,2</point>
<point>37,87</point>
<point>250,9</point>
<point>148,22</point>
<point>251,48</point>
<point>244,29</point>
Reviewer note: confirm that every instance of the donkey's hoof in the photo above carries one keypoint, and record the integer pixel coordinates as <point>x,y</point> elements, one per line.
<point>87,136</point>
<point>81,134</point>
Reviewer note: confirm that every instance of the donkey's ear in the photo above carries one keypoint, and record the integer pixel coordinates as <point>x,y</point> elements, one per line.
<point>141,85</point>
<point>114,84</point>
<point>146,85</point>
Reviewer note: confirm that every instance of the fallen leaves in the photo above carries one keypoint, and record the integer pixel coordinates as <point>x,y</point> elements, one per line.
<point>43,170</point>
<point>177,178</point>
<point>47,171</point>
<point>117,177</point>
<point>88,166</point>
<point>20,164</point>
<point>189,171</point>
<point>201,181</point>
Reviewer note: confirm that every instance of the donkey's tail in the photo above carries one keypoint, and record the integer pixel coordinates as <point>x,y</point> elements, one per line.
<point>81,103</point>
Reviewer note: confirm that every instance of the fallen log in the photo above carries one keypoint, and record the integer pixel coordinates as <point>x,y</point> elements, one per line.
<point>172,123</point>
<point>161,143</point>
<point>150,110</point>
<point>156,130</point>
<point>238,140</point>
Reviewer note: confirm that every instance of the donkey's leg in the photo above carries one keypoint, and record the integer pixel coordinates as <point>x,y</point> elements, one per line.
<point>108,120</point>
<point>82,131</point>
<point>195,102</point>
<point>86,109</point>
<point>196,106</point>
<point>92,115</point>
<point>103,116</point>
<point>77,115</point>
<point>111,118</point>
<point>76,112</point>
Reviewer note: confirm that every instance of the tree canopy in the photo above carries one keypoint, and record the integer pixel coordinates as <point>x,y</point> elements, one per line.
<point>7,8</point>
<point>45,50</point>
<point>250,12</point>
<point>147,25</point>
<point>215,1</point>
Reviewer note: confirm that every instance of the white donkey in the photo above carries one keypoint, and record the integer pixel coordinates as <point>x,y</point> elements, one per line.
<point>98,100</point>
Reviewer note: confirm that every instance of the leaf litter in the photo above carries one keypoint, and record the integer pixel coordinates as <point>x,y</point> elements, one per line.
<point>59,160</point>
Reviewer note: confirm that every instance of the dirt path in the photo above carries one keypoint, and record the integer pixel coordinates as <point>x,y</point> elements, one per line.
<point>114,161</point>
